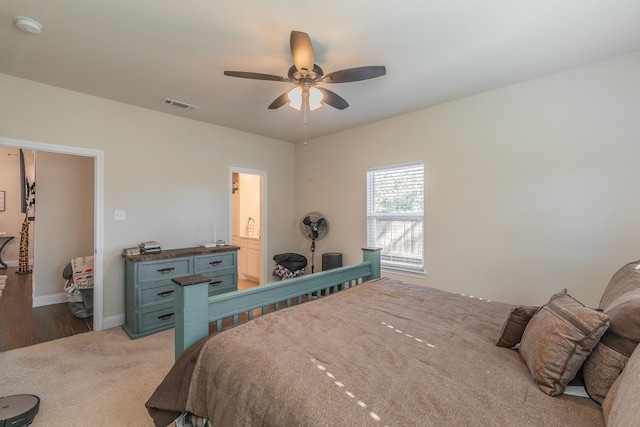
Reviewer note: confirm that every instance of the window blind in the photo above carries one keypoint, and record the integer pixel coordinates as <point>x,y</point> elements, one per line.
<point>395,215</point>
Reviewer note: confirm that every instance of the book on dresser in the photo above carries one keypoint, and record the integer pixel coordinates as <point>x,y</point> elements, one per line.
<point>150,247</point>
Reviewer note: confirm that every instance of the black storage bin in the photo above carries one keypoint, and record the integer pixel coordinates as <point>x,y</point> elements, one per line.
<point>331,260</point>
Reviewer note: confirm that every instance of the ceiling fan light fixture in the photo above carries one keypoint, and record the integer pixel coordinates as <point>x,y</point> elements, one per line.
<point>295,98</point>
<point>315,98</point>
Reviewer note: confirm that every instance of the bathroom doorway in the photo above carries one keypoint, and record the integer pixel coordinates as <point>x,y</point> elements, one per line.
<point>248,225</point>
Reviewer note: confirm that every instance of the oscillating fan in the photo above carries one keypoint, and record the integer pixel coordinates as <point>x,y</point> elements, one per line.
<point>314,226</point>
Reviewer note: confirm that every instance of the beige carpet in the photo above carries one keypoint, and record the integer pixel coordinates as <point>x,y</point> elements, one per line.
<point>92,379</point>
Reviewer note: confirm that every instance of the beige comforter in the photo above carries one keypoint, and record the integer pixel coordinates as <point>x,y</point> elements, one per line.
<point>384,353</point>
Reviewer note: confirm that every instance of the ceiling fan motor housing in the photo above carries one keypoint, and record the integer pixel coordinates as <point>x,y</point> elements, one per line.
<point>306,77</point>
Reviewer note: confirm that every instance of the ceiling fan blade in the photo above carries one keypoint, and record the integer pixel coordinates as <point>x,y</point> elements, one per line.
<point>355,74</point>
<point>333,99</point>
<point>255,76</point>
<point>280,101</point>
<point>301,51</point>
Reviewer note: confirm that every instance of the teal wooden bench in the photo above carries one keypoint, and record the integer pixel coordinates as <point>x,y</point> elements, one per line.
<point>195,309</point>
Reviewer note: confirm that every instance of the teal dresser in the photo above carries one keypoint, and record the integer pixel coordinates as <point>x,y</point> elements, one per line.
<point>150,293</point>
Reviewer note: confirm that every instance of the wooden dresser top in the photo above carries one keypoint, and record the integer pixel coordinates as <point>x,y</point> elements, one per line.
<point>177,253</point>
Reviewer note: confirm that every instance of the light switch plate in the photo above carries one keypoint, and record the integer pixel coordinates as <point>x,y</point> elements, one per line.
<point>119,215</point>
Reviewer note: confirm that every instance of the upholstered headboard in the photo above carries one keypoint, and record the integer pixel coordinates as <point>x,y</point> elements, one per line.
<point>626,279</point>
<point>621,302</point>
<point>621,408</point>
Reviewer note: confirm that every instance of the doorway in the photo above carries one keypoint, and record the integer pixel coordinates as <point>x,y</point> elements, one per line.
<point>97,202</point>
<point>248,224</point>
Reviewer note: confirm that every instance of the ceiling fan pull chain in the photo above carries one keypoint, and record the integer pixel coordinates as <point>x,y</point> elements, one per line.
<point>305,122</point>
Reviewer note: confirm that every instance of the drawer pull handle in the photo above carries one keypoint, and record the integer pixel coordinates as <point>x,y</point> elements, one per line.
<point>164,294</point>
<point>216,283</point>
<point>166,270</point>
<point>166,316</point>
<point>214,263</point>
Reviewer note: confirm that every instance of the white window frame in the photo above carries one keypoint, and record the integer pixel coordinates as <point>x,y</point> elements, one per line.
<point>399,251</point>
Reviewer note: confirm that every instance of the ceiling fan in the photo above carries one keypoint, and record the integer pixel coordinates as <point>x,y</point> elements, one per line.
<point>306,75</point>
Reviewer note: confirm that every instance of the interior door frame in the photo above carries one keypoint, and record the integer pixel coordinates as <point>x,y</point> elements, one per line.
<point>263,212</point>
<point>98,205</point>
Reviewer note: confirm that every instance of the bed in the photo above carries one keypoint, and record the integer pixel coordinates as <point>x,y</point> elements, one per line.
<point>377,351</point>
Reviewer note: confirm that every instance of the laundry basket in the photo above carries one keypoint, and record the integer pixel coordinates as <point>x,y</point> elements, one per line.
<point>79,286</point>
<point>289,265</point>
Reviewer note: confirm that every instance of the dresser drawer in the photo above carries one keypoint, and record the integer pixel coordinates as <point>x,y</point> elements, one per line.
<point>222,283</point>
<point>205,264</point>
<point>164,269</point>
<point>156,294</point>
<point>160,318</point>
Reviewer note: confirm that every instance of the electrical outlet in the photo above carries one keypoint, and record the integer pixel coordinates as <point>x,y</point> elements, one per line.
<point>119,215</point>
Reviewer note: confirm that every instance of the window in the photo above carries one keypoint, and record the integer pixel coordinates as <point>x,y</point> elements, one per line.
<point>395,215</point>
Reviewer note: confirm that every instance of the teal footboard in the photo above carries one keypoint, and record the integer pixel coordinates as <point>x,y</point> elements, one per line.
<point>195,310</point>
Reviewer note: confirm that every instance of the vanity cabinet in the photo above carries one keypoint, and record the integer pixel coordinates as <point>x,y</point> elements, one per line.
<point>250,257</point>
<point>150,293</point>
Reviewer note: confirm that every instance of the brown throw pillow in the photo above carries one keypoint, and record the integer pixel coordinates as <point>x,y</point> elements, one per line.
<point>515,325</point>
<point>611,354</point>
<point>558,339</point>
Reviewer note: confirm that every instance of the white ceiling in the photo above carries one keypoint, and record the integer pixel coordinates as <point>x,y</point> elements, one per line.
<point>140,51</point>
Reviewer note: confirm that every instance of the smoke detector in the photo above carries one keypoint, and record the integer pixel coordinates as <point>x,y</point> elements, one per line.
<point>28,25</point>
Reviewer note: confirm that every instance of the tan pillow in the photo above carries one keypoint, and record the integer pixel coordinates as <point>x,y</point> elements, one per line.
<point>558,339</point>
<point>515,325</point>
<point>611,354</point>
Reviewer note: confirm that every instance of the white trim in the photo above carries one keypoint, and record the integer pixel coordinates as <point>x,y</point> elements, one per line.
<point>396,166</point>
<point>113,321</point>
<point>98,239</point>
<point>15,263</point>
<point>50,299</point>
<point>263,214</point>
<point>98,228</point>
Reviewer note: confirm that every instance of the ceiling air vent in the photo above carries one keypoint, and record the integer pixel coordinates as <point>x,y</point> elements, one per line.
<point>179,104</point>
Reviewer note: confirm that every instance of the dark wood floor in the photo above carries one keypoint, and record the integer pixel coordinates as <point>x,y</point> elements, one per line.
<point>21,325</point>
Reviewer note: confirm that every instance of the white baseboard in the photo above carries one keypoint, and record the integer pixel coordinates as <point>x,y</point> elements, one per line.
<point>50,299</point>
<point>113,321</point>
<point>15,263</point>
<point>11,263</point>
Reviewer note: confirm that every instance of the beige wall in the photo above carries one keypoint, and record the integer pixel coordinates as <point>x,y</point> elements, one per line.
<point>64,219</point>
<point>249,203</point>
<point>169,174</point>
<point>529,189</point>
